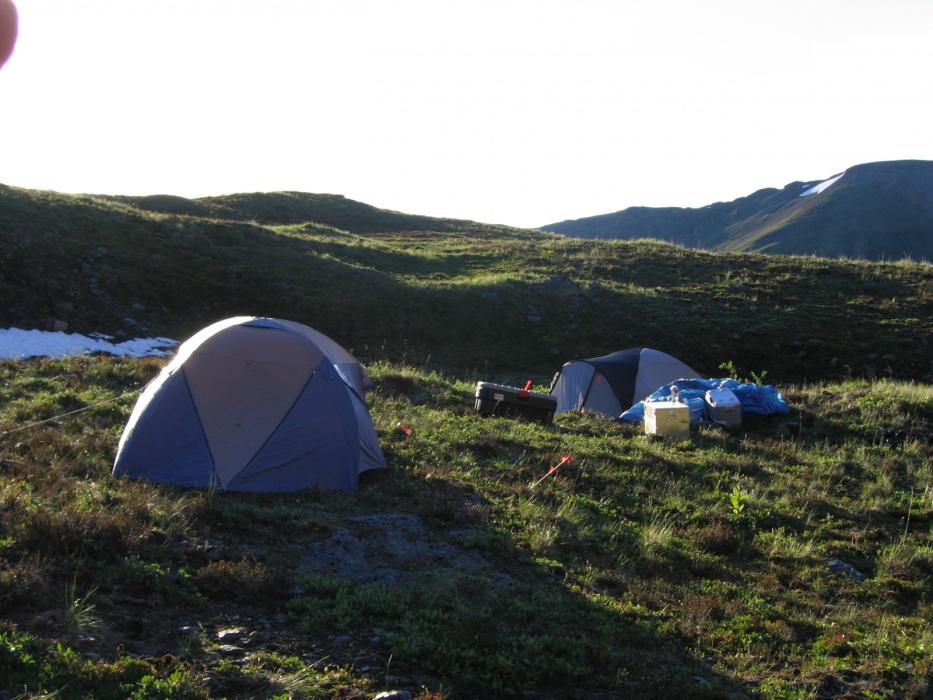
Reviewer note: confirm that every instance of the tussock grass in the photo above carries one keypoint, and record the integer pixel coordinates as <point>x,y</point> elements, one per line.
<point>79,615</point>
<point>656,537</point>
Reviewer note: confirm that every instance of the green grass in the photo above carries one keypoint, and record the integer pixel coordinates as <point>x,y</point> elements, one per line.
<point>457,295</point>
<point>641,569</point>
<point>628,572</point>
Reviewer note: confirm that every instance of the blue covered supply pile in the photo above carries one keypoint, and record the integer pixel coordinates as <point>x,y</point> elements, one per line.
<point>764,400</point>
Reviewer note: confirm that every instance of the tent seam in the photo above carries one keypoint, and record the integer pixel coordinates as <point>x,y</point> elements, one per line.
<point>194,405</point>
<point>589,386</point>
<point>278,425</point>
<point>555,380</point>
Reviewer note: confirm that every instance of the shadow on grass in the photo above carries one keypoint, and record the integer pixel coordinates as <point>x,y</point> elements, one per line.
<point>509,627</point>
<point>504,627</point>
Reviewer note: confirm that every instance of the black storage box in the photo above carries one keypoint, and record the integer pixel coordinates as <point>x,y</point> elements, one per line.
<point>500,400</point>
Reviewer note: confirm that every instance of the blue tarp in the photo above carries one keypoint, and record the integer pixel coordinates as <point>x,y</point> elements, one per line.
<point>764,400</point>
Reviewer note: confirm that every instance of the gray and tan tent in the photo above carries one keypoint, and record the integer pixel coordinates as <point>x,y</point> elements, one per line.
<point>253,404</point>
<point>613,383</point>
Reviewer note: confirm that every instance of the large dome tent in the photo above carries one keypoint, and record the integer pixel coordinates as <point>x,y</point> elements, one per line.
<point>253,404</point>
<point>612,383</point>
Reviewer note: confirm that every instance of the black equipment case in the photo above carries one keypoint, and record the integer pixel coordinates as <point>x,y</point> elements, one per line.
<point>500,400</point>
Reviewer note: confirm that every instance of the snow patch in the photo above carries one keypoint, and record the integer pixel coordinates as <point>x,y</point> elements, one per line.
<point>16,343</point>
<point>816,189</point>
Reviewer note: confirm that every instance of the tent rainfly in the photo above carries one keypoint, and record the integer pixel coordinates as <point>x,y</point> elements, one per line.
<point>612,383</point>
<point>253,404</point>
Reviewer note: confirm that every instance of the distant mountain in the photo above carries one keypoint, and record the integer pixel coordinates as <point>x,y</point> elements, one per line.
<point>873,211</point>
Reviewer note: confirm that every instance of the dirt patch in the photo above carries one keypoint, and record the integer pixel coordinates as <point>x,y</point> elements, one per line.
<point>395,549</point>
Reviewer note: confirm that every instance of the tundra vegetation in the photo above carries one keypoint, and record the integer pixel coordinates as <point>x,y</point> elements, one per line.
<point>643,568</point>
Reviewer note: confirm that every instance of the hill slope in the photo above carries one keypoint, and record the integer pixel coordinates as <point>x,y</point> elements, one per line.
<point>642,569</point>
<point>485,298</point>
<point>294,208</point>
<point>873,211</point>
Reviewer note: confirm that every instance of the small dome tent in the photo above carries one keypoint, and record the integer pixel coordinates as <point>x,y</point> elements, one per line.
<point>613,383</point>
<point>253,404</point>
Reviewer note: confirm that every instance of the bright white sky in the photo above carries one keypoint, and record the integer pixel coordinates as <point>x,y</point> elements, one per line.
<point>507,111</point>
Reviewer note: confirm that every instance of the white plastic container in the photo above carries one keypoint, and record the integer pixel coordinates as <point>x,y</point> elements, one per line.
<point>669,419</point>
<point>724,408</point>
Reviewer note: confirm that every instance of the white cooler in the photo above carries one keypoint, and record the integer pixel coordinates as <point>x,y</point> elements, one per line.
<point>724,408</point>
<point>668,419</point>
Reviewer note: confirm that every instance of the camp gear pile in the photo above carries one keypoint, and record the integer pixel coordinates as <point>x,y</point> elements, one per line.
<point>758,399</point>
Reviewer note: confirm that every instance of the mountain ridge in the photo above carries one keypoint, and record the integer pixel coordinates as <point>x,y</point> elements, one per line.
<point>873,211</point>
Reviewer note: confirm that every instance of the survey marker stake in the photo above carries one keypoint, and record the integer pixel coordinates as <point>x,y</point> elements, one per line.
<point>566,459</point>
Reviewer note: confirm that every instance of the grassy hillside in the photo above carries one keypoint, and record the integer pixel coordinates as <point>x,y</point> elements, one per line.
<point>295,208</point>
<point>875,211</point>
<point>484,299</point>
<point>642,569</point>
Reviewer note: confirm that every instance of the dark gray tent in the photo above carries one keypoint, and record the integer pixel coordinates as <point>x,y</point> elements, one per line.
<point>253,404</point>
<point>612,383</point>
